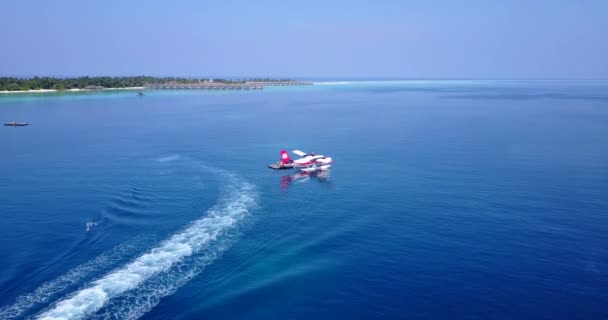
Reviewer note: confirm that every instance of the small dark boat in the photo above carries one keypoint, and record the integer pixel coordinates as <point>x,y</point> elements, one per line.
<point>16,124</point>
<point>140,94</point>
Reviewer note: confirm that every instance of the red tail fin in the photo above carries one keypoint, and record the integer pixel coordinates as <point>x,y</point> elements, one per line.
<point>285,159</point>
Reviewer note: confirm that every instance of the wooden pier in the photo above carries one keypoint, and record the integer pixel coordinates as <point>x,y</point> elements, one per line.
<point>204,86</point>
<point>223,86</point>
<point>283,83</point>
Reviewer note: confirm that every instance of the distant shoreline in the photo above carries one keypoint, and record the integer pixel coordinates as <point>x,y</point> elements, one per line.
<point>50,84</point>
<point>68,90</point>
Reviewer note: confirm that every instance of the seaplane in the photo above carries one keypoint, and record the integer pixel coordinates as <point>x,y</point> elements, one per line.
<point>308,162</point>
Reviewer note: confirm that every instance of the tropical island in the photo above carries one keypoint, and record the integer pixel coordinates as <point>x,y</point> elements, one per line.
<point>45,84</point>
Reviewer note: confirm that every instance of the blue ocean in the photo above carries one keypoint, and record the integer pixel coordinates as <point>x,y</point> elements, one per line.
<point>446,200</point>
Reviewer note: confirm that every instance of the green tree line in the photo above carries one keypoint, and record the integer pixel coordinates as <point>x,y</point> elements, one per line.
<point>36,83</point>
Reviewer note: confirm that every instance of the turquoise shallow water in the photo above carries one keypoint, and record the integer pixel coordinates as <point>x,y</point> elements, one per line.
<point>448,199</point>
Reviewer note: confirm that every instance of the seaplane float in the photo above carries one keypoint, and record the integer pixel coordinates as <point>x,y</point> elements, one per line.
<point>308,162</point>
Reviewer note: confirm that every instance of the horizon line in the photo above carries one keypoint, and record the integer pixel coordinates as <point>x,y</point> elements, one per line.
<point>312,78</point>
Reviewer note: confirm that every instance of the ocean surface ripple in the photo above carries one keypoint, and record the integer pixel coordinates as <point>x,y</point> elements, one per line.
<point>152,270</point>
<point>449,199</point>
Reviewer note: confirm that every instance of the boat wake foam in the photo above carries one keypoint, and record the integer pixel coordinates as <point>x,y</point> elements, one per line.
<point>133,289</point>
<point>51,289</point>
<point>164,261</point>
<point>135,303</point>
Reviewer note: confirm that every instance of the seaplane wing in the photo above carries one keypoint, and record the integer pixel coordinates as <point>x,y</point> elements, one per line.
<point>300,153</point>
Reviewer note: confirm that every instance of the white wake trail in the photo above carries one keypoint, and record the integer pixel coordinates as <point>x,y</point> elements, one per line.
<point>137,302</point>
<point>50,289</point>
<point>221,218</point>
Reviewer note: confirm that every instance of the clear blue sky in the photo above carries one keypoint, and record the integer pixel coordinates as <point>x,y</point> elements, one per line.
<point>307,38</point>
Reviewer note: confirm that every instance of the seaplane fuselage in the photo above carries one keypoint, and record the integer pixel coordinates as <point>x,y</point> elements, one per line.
<point>308,161</point>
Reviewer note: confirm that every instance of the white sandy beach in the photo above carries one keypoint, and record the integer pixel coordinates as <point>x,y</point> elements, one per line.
<point>332,82</point>
<point>29,91</point>
<point>69,90</point>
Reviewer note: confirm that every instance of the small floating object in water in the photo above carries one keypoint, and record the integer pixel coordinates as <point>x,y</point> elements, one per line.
<point>90,225</point>
<point>140,94</point>
<point>16,124</point>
